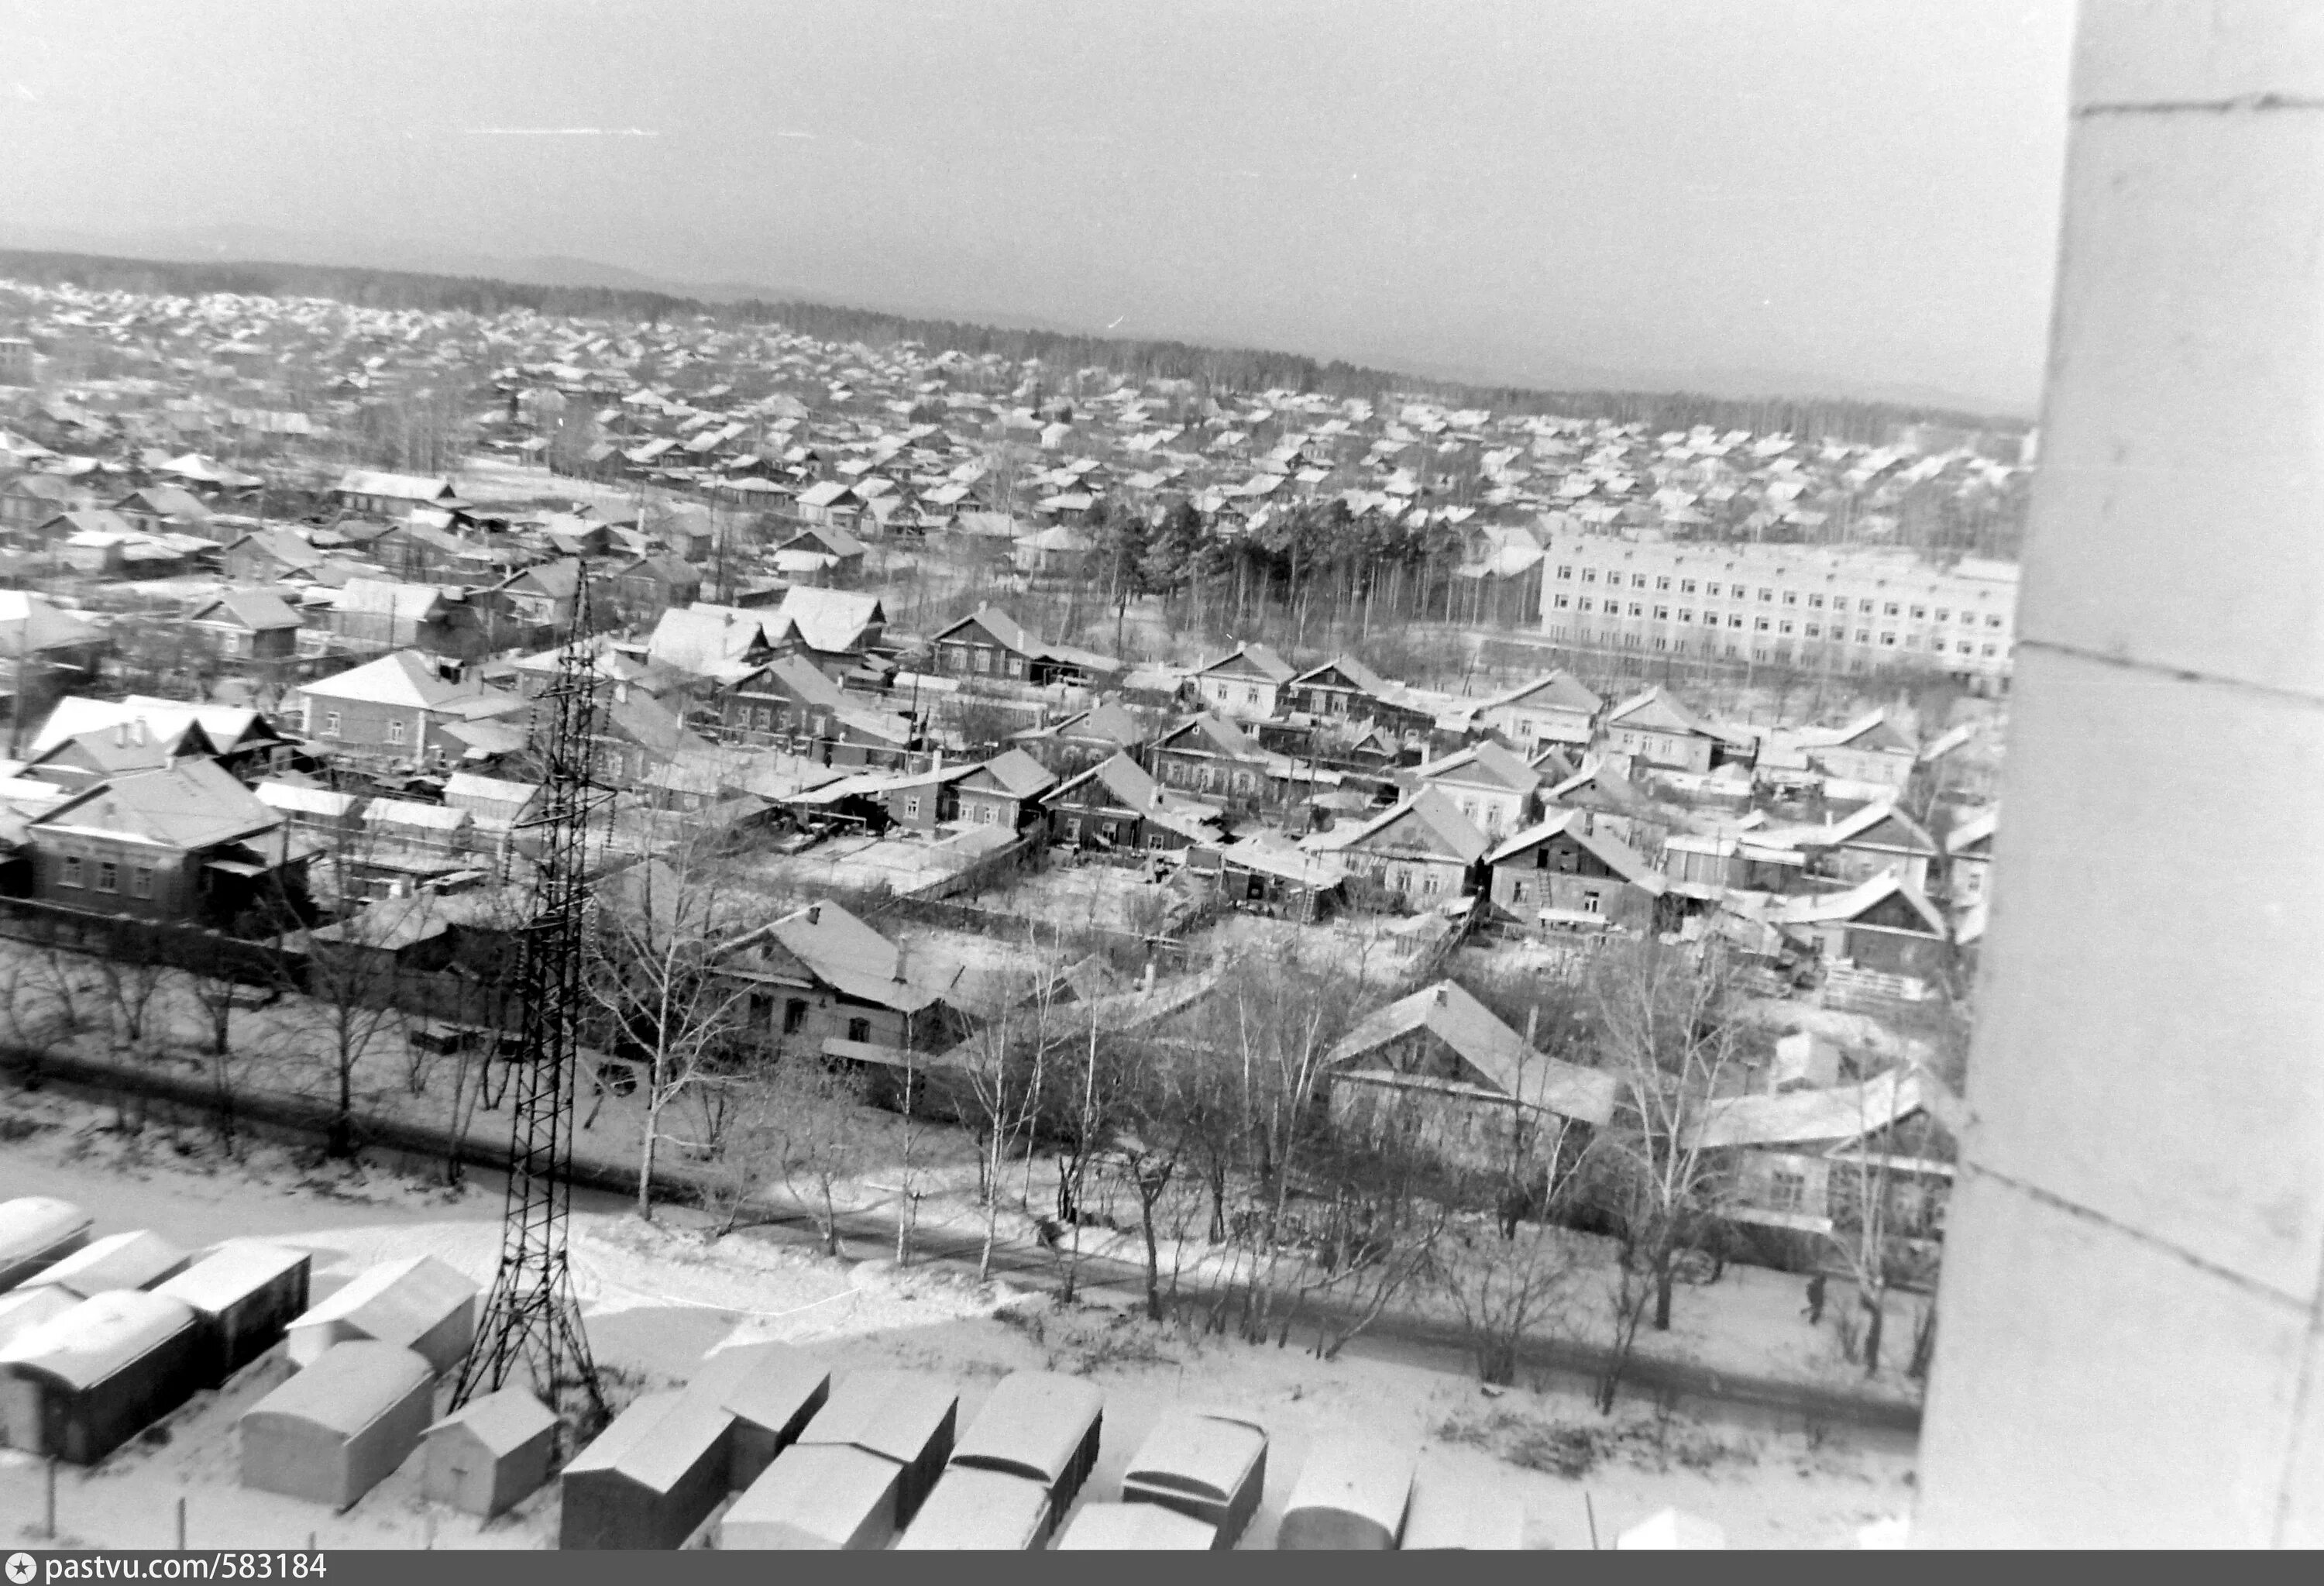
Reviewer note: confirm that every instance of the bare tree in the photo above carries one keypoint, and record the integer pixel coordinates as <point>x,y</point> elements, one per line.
<point>352,991</point>
<point>1506,1289</point>
<point>1002,1074</point>
<point>821,1126</point>
<point>653,971</point>
<point>1663,1029</point>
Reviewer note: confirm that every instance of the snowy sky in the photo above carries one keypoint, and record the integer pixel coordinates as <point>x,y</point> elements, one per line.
<point>1835,195</point>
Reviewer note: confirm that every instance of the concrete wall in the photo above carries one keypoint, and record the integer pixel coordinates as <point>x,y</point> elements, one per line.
<point>2131,1347</point>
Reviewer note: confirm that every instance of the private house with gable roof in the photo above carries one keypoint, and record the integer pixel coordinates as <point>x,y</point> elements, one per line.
<point>1655,728</point>
<point>1969,858</point>
<point>394,495</point>
<point>1251,684</point>
<point>98,754</point>
<point>1115,805</point>
<point>1439,1064</point>
<point>242,740</point>
<point>396,709</point>
<point>1877,839</point>
<point>784,703</point>
<point>1343,694</point>
<point>820,975</point>
<point>1004,792</point>
<point>1086,737</point>
<point>1871,749</point>
<point>184,844</point>
<point>1494,788</point>
<point>836,630</point>
<point>1562,874</point>
<point>1548,711</point>
<point>989,646</point>
<point>247,625</point>
<point>1209,756</point>
<point>1422,853</point>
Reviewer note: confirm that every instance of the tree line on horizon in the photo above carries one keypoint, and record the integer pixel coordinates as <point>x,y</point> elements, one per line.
<point>1216,370</point>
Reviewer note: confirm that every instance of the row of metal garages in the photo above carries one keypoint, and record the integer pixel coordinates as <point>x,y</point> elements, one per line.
<point>875,1461</point>
<point>100,1338</point>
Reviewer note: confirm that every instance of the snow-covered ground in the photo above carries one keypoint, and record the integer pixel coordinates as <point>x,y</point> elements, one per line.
<point>659,1296</point>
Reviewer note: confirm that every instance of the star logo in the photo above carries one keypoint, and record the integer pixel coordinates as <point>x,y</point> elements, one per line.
<point>22,1568</point>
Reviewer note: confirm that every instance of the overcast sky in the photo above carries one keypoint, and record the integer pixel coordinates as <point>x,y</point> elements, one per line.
<point>1775,194</point>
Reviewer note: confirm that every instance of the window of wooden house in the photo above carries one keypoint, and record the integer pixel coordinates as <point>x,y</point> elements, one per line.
<point>983,659</point>
<point>395,731</point>
<point>108,876</point>
<point>330,724</point>
<point>1590,903</point>
<point>69,875</point>
<point>859,1030</point>
<point>1787,1189</point>
<point>794,1016</point>
<point>141,881</point>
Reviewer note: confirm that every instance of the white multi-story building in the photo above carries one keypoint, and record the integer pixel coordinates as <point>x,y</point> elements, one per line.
<point>1845,610</point>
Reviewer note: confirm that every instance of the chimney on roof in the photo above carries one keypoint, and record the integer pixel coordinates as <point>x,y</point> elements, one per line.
<point>900,976</point>
<point>1440,995</point>
<point>815,914</point>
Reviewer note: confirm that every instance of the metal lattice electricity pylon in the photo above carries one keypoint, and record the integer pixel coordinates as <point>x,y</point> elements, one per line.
<point>531,1325</point>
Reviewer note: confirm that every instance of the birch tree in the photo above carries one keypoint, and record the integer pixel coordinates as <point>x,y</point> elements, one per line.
<point>1662,1028</point>
<point>668,1007</point>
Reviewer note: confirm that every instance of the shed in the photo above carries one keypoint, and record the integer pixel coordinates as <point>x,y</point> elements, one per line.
<point>1668,1529</point>
<point>832,1497</point>
<point>341,1426</point>
<point>975,1511</point>
<point>771,1390</point>
<point>119,1260</point>
<point>421,1303</point>
<point>36,1232</point>
<point>1207,1465</point>
<point>1449,1515</point>
<point>901,1415</point>
<point>1136,1527</point>
<point>650,1478</point>
<point>29,1307</point>
<point>245,1293</point>
<point>1039,1425</point>
<point>491,1453</point>
<point>1351,1496</point>
<point>89,1379</point>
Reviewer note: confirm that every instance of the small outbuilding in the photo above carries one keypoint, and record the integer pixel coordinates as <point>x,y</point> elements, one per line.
<point>975,1511</point>
<point>119,1260</point>
<point>25,1308</point>
<point>491,1454</point>
<point>36,1232</point>
<point>1448,1516</point>
<point>245,1293</point>
<point>1039,1425</point>
<point>341,1426</point>
<point>1136,1527</point>
<point>901,1415</point>
<point>650,1478</point>
<point>1352,1496</point>
<point>827,1497</point>
<point>87,1379</point>
<point>771,1390</point>
<point>419,1303</point>
<point>1210,1466</point>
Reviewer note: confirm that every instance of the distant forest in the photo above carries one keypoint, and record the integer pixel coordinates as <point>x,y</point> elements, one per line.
<point>1219,370</point>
